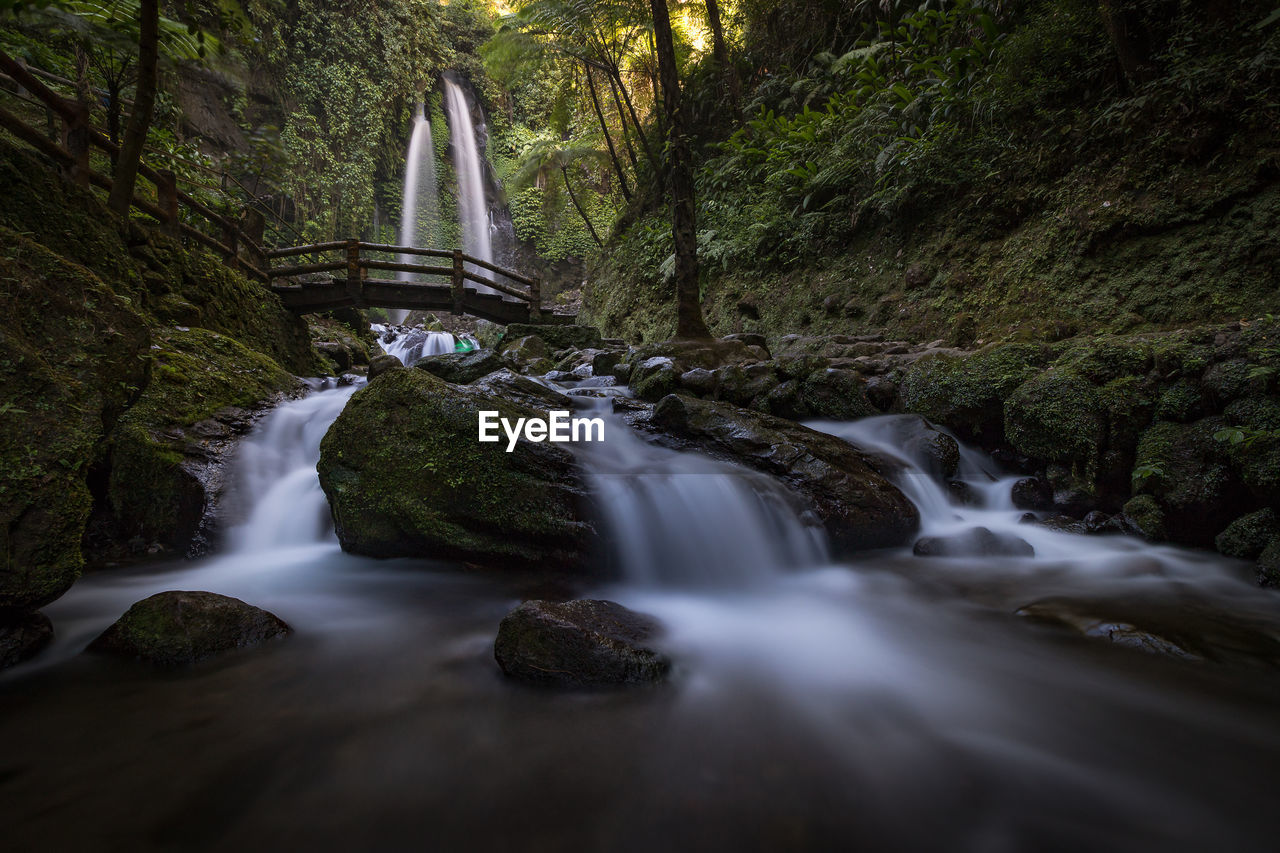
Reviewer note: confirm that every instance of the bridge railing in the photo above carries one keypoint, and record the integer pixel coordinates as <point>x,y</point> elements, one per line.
<point>73,156</point>
<point>354,262</point>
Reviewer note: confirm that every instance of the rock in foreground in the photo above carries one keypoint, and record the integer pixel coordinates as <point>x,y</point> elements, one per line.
<point>583,643</point>
<point>176,628</point>
<point>406,477</point>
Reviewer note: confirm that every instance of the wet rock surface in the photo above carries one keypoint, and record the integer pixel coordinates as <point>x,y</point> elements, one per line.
<point>848,488</point>
<point>178,628</point>
<point>461,368</point>
<point>582,643</point>
<point>978,542</point>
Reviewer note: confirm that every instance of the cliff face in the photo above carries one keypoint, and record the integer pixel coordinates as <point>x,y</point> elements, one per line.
<point>124,359</point>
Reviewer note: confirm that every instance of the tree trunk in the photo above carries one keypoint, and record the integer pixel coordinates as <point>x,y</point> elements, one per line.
<point>604,128</point>
<point>622,116</point>
<point>689,322</point>
<point>574,198</point>
<point>1129,39</point>
<point>635,121</point>
<point>720,53</point>
<point>135,135</point>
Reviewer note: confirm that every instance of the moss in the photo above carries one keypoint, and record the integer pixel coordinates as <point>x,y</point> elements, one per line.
<point>1107,359</point>
<point>1055,417</point>
<point>72,358</point>
<point>968,392</point>
<point>1248,535</point>
<point>1189,474</point>
<point>1181,402</point>
<point>1145,514</point>
<point>405,476</point>
<point>1269,564</point>
<point>196,374</point>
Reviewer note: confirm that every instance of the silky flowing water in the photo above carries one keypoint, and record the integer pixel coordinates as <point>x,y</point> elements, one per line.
<point>886,703</point>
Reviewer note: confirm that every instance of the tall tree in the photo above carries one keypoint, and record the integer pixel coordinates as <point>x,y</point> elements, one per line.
<point>144,99</point>
<point>679,173</point>
<point>720,53</point>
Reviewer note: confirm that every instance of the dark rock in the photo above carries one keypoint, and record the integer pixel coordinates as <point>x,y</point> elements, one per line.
<point>978,542</point>
<point>934,451</point>
<point>524,390</point>
<point>1248,536</point>
<point>22,636</point>
<point>784,401</point>
<point>1269,564</point>
<point>337,353</point>
<point>799,366</point>
<point>847,487</point>
<point>962,493</point>
<point>1063,524</point>
<point>654,378</point>
<point>1190,475</point>
<point>1055,417</point>
<point>603,362</point>
<point>751,339</point>
<point>699,381</point>
<point>461,368</point>
<point>406,477</point>
<point>741,383</point>
<point>175,628</point>
<point>1143,514</point>
<point>559,376</point>
<point>380,364</point>
<point>1096,521</point>
<point>968,392</point>
<point>556,337</point>
<point>836,394</point>
<point>881,392</point>
<point>582,643</point>
<point>622,373</point>
<point>1032,493</point>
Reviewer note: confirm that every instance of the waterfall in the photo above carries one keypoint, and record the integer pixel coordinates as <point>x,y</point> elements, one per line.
<point>419,206</point>
<point>413,344</point>
<point>275,476</point>
<point>473,209</point>
<point>667,514</point>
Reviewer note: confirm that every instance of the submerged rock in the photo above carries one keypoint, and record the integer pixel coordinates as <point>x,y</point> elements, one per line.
<point>579,644</point>
<point>978,542</point>
<point>406,477</point>
<point>1032,493</point>
<point>22,636</point>
<point>176,628</point>
<point>847,487</point>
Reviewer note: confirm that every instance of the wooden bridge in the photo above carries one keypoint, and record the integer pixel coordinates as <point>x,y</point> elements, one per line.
<point>310,291</point>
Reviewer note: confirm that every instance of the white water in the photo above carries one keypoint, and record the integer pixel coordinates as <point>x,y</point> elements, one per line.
<point>410,345</point>
<point>419,205</point>
<point>473,209</point>
<point>865,705</point>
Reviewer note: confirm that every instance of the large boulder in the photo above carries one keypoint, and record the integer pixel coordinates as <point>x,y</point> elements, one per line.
<point>836,394</point>
<point>22,636</point>
<point>847,487</point>
<point>406,477</point>
<point>1055,417</point>
<point>977,542</point>
<point>1188,472</point>
<point>461,368</point>
<point>177,628</point>
<point>968,392</point>
<point>579,644</point>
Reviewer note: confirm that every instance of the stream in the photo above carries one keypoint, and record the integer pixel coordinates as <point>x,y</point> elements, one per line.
<point>890,702</point>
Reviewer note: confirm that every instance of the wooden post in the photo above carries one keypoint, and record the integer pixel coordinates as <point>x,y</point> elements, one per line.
<point>353,272</point>
<point>457,283</point>
<point>231,235</point>
<point>167,195</point>
<point>535,302</point>
<point>75,136</point>
<point>255,228</point>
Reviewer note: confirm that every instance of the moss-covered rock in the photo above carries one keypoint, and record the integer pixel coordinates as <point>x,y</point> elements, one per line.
<point>967,393</point>
<point>1145,515</point>
<point>1055,417</point>
<point>836,394</point>
<point>405,476</point>
<point>1189,474</point>
<point>73,357</point>
<point>654,378</point>
<point>1269,564</point>
<point>1248,536</point>
<point>556,337</point>
<point>741,383</point>
<point>581,643</point>
<point>461,367</point>
<point>177,628</point>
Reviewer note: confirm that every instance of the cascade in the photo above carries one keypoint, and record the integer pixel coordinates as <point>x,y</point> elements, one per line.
<point>473,210</point>
<point>419,207</point>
